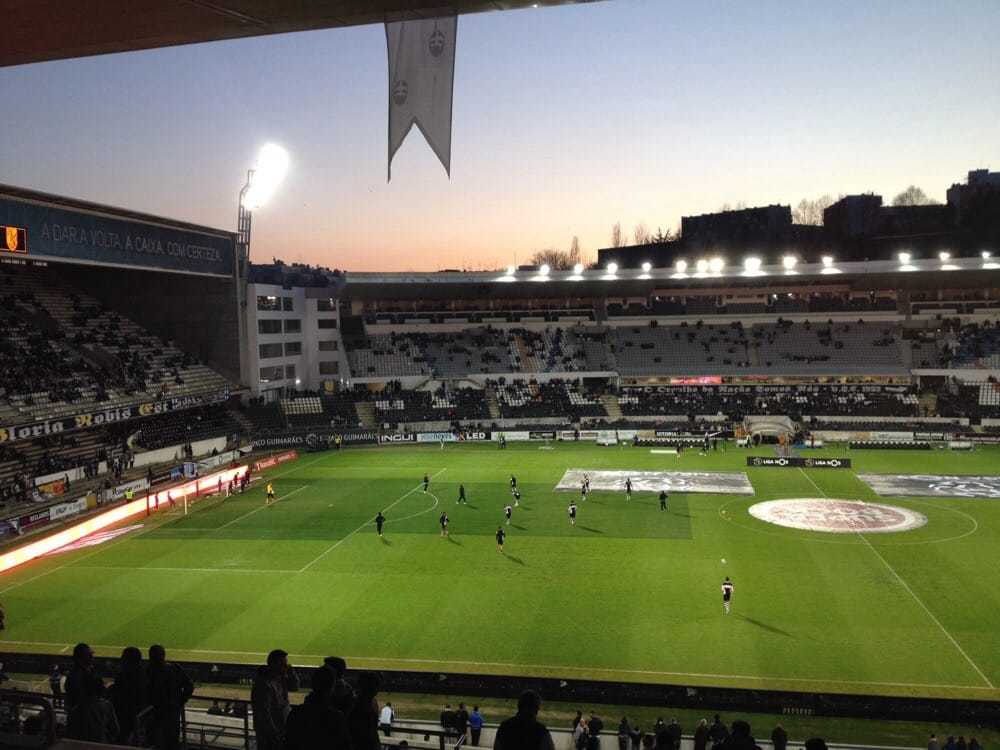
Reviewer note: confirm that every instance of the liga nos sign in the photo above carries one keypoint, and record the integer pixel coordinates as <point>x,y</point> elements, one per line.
<point>797,462</point>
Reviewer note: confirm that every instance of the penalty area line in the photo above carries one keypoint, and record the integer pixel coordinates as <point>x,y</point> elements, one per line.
<point>343,539</point>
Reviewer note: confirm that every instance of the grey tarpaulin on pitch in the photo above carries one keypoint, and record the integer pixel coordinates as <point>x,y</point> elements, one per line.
<point>421,82</point>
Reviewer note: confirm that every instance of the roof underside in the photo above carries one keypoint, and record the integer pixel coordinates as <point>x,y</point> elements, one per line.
<point>38,30</point>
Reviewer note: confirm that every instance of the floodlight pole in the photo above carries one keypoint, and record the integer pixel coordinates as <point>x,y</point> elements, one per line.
<point>241,274</point>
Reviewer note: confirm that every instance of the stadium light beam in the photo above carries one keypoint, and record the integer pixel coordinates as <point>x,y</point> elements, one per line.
<point>789,262</point>
<point>701,267</point>
<point>828,267</point>
<point>544,270</point>
<point>264,179</point>
<point>716,265</point>
<point>751,266</point>
<point>647,267</point>
<point>612,269</point>
<point>578,269</point>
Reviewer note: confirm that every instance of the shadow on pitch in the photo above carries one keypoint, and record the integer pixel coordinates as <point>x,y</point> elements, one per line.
<point>592,531</point>
<point>386,542</point>
<point>765,626</point>
<point>513,559</point>
<point>519,528</point>
<point>453,540</point>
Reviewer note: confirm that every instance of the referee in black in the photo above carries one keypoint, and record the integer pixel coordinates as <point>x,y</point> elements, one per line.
<point>379,522</point>
<point>663,499</point>
<point>501,534</point>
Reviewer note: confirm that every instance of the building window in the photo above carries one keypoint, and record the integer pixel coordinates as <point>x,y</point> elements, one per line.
<point>325,305</point>
<point>269,326</point>
<point>293,326</point>
<point>329,368</point>
<point>328,346</point>
<point>289,372</point>
<point>270,304</point>
<point>286,304</point>
<point>269,351</point>
<point>293,348</point>
<point>267,374</point>
<point>327,323</point>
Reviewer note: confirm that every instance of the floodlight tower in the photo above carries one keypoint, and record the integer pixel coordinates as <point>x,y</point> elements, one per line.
<point>262,181</point>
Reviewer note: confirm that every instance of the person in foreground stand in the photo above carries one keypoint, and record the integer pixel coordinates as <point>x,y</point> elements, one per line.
<point>316,723</point>
<point>476,722</point>
<point>269,697</point>
<point>169,689</point>
<point>523,731</point>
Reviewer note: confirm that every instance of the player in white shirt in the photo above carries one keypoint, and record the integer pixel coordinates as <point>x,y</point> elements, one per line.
<point>571,510</point>
<point>507,512</point>
<point>727,594</point>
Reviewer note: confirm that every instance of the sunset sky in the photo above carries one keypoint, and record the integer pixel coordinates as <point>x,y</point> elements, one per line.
<point>566,120</point>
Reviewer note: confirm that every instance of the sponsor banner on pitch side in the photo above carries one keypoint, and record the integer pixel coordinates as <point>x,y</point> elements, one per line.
<point>397,437</point>
<point>512,436</point>
<point>136,486</point>
<point>473,435</point>
<point>436,437</point>
<point>67,509</point>
<point>797,462</point>
<point>541,434</point>
<point>270,461</point>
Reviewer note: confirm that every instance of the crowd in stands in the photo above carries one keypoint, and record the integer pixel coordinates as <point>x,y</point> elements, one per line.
<point>773,304</point>
<point>395,405</point>
<point>972,344</point>
<point>521,399</point>
<point>143,705</point>
<point>187,426</point>
<point>64,350</point>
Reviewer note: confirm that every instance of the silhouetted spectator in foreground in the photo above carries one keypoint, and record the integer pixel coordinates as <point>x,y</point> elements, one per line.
<point>779,738</point>
<point>269,696</point>
<point>316,724</point>
<point>523,731</point>
<point>99,715</point>
<point>129,695</point>
<point>701,735</point>
<point>343,693</point>
<point>169,689</point>
<point>79,691</point>
<point>740,737</point>
<point>363,721</point>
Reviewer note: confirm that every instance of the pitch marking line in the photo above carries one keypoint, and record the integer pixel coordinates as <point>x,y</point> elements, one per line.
<point>340,541</point>
<point>549,667</point>
<point>258,510</point>
<point>916,598</point>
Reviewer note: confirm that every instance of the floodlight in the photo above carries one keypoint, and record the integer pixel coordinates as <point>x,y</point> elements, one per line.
<point>612,268</point>
<point>751,264</point>
<point>681,266</point>
<point>510,270</point>
<point>701,266</point>
<point>647,267</point>
<point>544,270</point>
<point>789,262</point>
<point>905,258</point>
<point>578,269</point>
<point>272,166</point>
<point>944,255</point>
<point>986,254</point>
<point>828,261</point>
<point>717,264</point>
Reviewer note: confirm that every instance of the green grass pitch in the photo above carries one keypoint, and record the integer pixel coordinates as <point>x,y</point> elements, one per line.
<point>629,593</point>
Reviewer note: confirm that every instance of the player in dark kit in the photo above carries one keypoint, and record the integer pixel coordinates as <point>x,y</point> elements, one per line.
<point>727,594</point>
<point>517,498</point>
<point>443,520</point>
<point>513,484</point>
<point>427,482</point>
<point>501,534</point>
<point>663,499</point>
<point>571,510</point>
<point>379,521</point>
<point>507,511</point>
<point>628,489</point>
<point>461,494</point>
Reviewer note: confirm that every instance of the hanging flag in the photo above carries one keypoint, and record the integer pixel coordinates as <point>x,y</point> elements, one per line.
<point>421,82</point>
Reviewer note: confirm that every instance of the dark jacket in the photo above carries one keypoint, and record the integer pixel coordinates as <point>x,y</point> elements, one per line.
<point>316,725</point>
<point>129,696</point>
<point>363,724</point>
<point>779,738</point>
<point>523,732</point>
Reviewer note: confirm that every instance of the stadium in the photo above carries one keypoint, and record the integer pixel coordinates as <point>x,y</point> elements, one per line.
<point>744,477</point>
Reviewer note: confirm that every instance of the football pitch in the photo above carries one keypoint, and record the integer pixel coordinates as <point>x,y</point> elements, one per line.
<point>628,593</point>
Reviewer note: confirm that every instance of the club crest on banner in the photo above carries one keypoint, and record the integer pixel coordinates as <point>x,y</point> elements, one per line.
<point>421,83</point>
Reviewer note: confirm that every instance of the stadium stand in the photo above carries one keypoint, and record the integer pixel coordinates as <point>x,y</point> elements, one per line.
<point>395,405</point>
<point>76,353</point>
<point>554,398</point>
<point>186,426</point>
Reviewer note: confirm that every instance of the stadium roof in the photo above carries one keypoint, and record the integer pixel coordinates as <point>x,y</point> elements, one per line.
<point>869,275</point>
<point>39,30</point>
